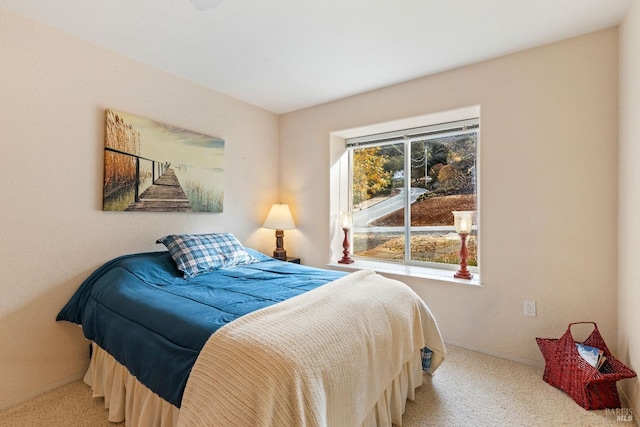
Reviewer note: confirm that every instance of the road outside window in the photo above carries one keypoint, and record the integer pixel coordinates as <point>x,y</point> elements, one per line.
<point>404,187</point>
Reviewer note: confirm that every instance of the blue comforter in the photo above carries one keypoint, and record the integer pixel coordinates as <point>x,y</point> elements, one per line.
<point>151,320</point>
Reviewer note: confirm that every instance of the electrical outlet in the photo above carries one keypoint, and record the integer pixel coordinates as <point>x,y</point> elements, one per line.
<point>530,308</point>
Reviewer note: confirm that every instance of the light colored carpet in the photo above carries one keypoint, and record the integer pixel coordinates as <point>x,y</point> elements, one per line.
<point>473,389</point>
<point>469,389</point>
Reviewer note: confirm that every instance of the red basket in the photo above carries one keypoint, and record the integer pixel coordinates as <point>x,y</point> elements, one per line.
<point>567,370</point>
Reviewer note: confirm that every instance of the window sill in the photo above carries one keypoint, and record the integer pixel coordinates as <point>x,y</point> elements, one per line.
<point>408,270</point>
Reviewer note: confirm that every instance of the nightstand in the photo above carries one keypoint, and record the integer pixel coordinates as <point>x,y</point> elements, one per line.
<point>293,260</point>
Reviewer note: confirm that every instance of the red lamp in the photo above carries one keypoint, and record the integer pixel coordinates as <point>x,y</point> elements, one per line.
<point>463,220</point>
<point>345,221</point>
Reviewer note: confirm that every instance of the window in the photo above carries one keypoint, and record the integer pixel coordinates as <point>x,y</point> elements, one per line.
<point>402,187</point>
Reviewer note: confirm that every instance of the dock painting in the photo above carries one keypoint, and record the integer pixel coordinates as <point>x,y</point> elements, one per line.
<point>155,167</point>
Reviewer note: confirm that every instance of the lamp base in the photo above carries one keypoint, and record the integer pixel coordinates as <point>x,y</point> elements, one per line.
<point>463,275</point>
<point>280,253</point>
<point>345,245</point>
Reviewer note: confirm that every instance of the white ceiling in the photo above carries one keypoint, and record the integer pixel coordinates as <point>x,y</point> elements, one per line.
<point>284,55</point>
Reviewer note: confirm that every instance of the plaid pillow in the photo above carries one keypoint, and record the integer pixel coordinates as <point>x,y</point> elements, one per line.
<point>199,253</point>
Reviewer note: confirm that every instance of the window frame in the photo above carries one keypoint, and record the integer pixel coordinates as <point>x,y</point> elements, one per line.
<point>341,186</point>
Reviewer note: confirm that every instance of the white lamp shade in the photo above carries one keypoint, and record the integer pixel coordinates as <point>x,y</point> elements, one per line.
<point>279,218</point>
<point>463,221</point>
<point>346,220</point>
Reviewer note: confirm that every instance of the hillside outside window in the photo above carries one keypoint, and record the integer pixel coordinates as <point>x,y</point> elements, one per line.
<point>403,187</point>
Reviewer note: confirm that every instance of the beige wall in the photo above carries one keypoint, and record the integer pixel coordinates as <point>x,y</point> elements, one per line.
<point>548,192</point>
<point>548,188</point>
<point>53,93</point>
<point>629,203</point>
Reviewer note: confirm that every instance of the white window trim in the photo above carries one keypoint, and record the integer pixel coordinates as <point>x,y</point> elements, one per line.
<point>339,199</point>
<point>436,274</point>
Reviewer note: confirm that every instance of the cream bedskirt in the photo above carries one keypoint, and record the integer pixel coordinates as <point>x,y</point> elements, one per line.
<point>129,400</point>
<point>125,397</point>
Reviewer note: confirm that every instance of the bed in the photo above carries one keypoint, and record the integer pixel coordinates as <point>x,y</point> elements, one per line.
<point>212,333</point>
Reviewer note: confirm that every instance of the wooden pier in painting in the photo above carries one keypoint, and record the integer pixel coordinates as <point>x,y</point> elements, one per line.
<point>165,195</point>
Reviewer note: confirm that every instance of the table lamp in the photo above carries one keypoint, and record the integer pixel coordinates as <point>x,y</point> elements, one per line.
<point>279,219</point>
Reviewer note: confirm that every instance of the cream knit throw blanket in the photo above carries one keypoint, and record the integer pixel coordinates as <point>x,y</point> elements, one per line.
<point>320,359</point>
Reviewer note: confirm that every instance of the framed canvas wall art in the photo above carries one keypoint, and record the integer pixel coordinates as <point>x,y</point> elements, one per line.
<point>151,166</point>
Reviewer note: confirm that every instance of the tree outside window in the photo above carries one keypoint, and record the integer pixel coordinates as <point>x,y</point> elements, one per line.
<point>402,206</point>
